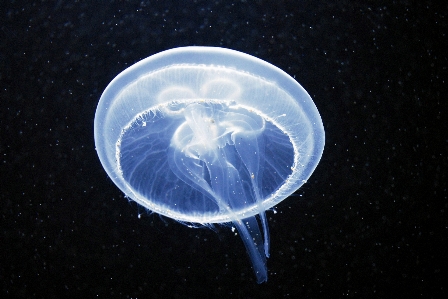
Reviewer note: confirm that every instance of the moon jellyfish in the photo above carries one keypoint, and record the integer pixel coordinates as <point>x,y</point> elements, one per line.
<point>209,135</point>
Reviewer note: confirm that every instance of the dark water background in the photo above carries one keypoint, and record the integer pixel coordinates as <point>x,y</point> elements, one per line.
<point>370,223</point>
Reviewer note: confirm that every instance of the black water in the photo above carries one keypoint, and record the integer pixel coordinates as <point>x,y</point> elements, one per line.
<point>370,223</point>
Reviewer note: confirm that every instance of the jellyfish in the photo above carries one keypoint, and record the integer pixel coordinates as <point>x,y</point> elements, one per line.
<point>209,135</point>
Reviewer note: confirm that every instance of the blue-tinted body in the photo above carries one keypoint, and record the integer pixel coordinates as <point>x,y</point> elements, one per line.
<point>209,135</point>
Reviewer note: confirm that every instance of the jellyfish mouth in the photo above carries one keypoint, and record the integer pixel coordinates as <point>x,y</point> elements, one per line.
<point>209,127</point>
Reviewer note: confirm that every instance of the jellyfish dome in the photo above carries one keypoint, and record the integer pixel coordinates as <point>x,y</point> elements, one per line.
<point>209,135</point>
